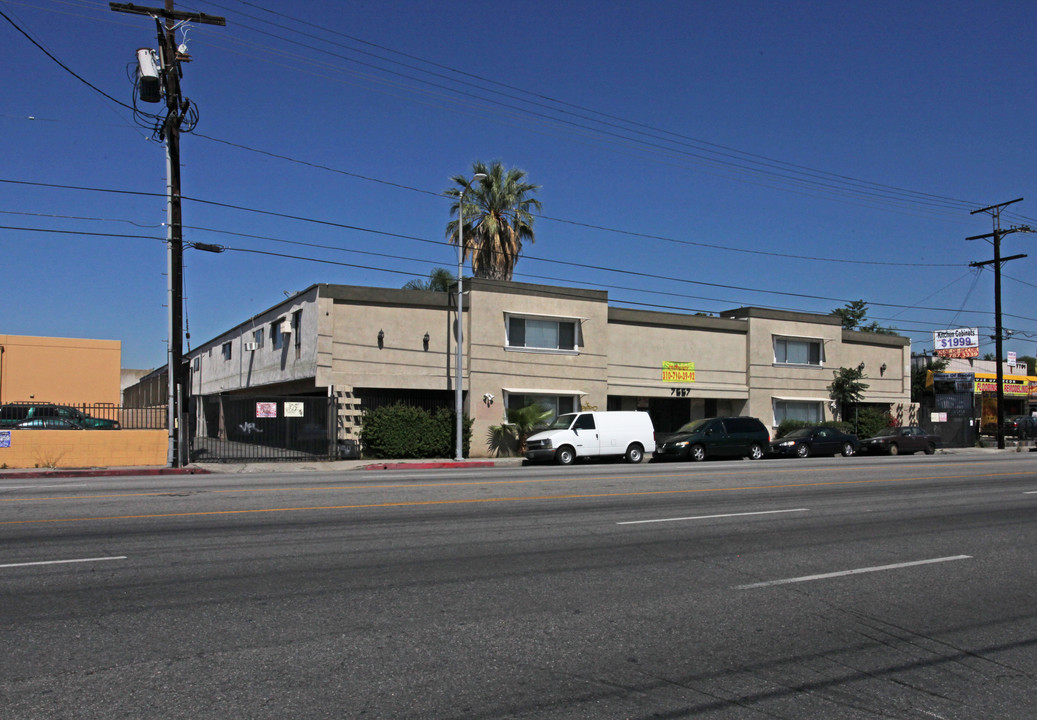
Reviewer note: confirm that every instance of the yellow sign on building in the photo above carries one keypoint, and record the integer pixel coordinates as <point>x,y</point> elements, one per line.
<point>679,372</point>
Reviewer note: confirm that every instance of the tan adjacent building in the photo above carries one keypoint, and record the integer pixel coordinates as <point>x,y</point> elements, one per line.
<point>564,348</point>
<point>70,371</point>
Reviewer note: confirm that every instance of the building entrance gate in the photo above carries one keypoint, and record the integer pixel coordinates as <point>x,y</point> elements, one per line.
<point>242,429</point>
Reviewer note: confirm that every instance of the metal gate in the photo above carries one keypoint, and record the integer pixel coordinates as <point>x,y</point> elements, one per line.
<point>240,429</point>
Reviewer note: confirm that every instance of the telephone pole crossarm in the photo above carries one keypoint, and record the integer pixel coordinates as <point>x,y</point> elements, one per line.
<point>995,212</point>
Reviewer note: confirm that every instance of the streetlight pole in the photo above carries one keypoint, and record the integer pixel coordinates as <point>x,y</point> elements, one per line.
<point>458,392</point>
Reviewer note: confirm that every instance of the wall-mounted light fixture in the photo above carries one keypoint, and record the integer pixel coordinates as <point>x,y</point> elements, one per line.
<point>882,369</point>
<point>381,339</point>
<point>424,342</point>
<point>860,368</point>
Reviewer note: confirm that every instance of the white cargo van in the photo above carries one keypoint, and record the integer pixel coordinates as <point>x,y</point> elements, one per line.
<point>594,434</point>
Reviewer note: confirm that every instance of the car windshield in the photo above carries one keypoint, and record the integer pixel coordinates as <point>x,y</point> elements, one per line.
<point>562,422</point>
<point>802,432</point>
<point>693,425</point>
<point>887,432</point>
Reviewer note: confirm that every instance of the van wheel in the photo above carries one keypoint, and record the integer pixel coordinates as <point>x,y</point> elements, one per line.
<point>756,451</point>
<point>565,455</point>
<point>698,453</point>
<point>635,453</point>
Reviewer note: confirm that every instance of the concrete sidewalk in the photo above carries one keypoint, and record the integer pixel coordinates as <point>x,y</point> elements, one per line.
<point>330,466</point>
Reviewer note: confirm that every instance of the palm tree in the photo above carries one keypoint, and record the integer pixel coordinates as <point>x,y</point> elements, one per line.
<point>439,280</point>
<point>498,218</point>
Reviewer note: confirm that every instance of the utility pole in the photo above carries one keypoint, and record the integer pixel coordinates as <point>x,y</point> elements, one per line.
<point>995,213</point>
<point>177,108</point>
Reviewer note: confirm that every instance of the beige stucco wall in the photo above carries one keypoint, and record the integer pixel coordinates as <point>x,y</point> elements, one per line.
<point>771,380</point>
<point>60,370</point>
<point>491,367</point>
<point>85,448</point>
<point>212,374</point>
<point>640,342</point>
<point>350,353</point>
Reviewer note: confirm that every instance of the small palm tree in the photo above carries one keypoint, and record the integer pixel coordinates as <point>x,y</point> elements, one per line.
<point>498,218</point>
<point>439,280</point>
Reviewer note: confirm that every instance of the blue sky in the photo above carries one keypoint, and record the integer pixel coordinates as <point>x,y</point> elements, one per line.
<point>693,156</point>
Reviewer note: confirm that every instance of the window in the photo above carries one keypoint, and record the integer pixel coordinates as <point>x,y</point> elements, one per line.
<point>197,363</point>
<point>257,337</point>
<point>807,410</point>
<point>226,351</point>
<point>276,338</point>
<point>557,404</point>
<point>542,334</point>
<point>296,327</point>
<point>798,351</point>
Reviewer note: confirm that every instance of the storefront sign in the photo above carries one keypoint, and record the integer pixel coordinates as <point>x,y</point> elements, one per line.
<point>959,343</point>
<point>682,372</point>
<point>1015,388</point>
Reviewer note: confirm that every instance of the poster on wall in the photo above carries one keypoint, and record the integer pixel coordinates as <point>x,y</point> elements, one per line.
<point>681,372</point>
<point>293,409</point>
<point>266,409</point>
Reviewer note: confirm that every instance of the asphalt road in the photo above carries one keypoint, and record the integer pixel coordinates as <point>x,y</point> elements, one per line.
<point>820,588</point>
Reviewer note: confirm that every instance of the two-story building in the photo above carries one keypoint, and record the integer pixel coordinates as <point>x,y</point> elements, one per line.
<point>564,348</point>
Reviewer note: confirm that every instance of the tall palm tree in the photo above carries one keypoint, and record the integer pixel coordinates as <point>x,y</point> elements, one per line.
<point>498,218</point>
<point>439,280</point>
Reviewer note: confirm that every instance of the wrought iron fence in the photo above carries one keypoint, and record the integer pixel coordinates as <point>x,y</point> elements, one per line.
<point>100,416</point>
<point>236,429</point>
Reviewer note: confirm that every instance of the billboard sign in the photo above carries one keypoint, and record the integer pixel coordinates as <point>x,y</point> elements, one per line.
<point>958,343</point>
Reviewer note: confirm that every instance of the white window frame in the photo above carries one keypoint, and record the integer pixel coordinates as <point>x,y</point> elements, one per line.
<point>525,317</point>
<point>819,402</point>
<point>577,397</point>
<point>795,338</point>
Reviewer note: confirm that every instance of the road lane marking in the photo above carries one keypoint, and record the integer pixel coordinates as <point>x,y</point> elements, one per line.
<point>798,470</point>
<point>63,562</point>
<point>709,517</point>
<point>472,501</point>
<point>858,571</point>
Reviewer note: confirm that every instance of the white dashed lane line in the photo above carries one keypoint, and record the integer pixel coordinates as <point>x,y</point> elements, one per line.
<point>857,571</point>
<point>710,517</point>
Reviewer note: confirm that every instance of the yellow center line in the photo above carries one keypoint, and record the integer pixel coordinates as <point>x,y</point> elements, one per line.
<point>181,491</point>
<point>468,501</point>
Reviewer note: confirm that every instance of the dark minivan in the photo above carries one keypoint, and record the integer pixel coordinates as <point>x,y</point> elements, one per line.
<point>716,437</point>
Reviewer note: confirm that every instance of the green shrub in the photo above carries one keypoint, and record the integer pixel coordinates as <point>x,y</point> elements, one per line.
<point>407,432</point>
<point>871,420</point>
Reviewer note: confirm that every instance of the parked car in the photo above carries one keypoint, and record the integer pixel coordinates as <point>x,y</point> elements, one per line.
<point>716,437</point>
<point>14,413</point>
<point>821,440</point>
<point>899,440</point>
<point>1023,427</point>
<point>48,423</point>
<point>615,433</point>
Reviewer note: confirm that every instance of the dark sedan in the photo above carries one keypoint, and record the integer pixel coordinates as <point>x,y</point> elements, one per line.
<point>816,441</point>
<point>898,440</point>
